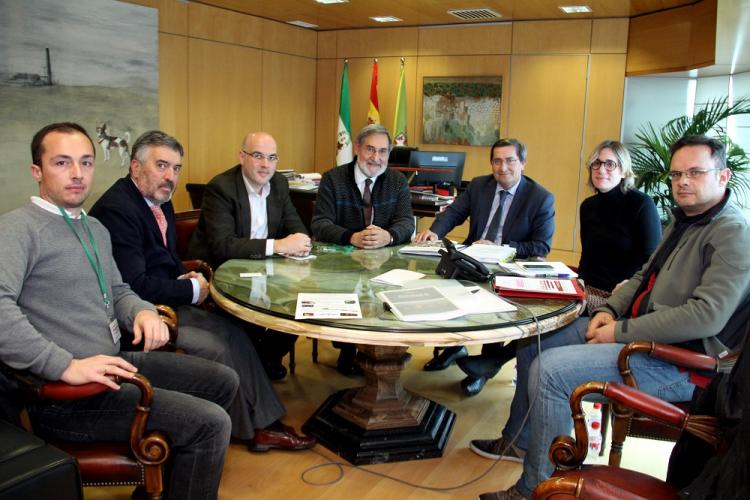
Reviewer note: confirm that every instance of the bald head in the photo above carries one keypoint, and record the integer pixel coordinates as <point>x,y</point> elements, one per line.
<point>254,137</point>
<point>258,158</point>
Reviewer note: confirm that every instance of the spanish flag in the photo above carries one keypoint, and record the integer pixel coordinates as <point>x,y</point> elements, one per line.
<point>399,120</point>
<point>344,134</point>
<point>373,113</point>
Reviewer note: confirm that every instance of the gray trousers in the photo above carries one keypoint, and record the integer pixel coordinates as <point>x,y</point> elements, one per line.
<point>224,340</point>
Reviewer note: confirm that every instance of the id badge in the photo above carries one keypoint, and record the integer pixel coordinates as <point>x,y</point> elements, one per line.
<point>114,330</point>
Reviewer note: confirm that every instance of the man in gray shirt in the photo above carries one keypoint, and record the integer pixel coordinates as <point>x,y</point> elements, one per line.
<point>63,303</point>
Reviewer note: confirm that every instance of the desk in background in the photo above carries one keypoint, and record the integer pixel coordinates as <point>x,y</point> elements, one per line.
<point>304,201</point>
<point>381,421</point>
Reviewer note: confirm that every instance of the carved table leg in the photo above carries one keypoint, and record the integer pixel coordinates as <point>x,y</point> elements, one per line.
<point>381,421</point>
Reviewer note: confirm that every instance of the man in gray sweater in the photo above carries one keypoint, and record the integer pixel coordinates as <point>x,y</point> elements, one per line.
<point>63,303</point>
<point>694,291</point>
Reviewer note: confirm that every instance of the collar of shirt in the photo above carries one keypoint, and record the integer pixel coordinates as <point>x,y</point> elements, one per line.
<point>148,202</point>
<point>360,178</point>
<point>52,208</point>
<point>265,189</point>
<point>511,191</point>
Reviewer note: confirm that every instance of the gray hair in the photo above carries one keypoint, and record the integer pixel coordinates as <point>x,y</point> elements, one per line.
<point>154,138</point>
<point>373,128</point>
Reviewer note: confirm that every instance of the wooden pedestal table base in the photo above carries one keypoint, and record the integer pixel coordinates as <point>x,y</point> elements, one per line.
<point>381,421</point>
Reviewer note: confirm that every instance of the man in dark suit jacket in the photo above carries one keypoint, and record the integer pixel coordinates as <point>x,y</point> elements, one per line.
<point>138,213</point>
<point>247,214</point>
<point>225,230</point>
<point>508,208</point>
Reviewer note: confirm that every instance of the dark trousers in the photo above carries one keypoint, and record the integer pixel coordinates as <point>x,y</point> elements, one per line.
<point>190,400</point>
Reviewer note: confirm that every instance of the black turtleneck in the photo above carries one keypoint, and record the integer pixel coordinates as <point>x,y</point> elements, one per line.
<point>619,231</point>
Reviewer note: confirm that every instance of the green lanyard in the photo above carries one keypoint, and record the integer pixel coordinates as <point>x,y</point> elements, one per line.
<point>96,264</point>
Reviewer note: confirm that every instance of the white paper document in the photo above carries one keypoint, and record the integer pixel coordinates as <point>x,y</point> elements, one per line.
<point>397,277</point>
<point>431,248</point>
<point>431,303</point>
<point>539,269</point>
<point>490,254</point>
<point>328,306</point>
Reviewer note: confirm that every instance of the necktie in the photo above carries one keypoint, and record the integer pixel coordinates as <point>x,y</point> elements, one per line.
<point>161,221</point>
<point>495,223</point>
<point>367,200</point>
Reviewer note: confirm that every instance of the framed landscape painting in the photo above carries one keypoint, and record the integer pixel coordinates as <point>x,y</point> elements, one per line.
<point>461,110</point>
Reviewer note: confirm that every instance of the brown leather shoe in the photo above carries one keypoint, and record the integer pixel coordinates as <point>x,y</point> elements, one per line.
<point>284,439</point>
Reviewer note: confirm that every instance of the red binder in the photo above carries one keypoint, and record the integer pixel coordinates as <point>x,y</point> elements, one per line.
<point>552,288</point>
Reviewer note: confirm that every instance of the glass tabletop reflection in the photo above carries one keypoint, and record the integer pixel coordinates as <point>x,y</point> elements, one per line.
<point>271,286</point>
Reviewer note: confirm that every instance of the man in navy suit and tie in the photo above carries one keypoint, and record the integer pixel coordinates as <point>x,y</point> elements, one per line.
<point>505,208</point>
<point>137,211</point>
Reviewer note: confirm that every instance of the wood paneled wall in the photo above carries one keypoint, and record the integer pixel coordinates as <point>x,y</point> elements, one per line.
<point>223,74</point>
<point>673,40</point>
<point>563,87</point>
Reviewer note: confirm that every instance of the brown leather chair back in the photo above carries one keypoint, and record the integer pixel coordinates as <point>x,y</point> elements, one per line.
<point>185,223</point>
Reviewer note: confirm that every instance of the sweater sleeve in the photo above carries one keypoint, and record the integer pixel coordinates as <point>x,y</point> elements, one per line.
<point>22,346</point>
<point>709,305</point>
<point>402,222</point>
<point>323,224</point>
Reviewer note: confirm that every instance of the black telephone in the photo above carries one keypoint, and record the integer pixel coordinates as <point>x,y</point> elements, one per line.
<point>454,264</point>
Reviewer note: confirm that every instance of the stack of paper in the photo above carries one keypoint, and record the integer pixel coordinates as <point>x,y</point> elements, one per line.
<point>490,254</point>
<point>538,269</point>
<point>431,248</point>
<point>447,299</point>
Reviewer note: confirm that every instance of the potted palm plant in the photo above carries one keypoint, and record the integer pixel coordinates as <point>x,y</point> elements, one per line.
<point>651,153</point>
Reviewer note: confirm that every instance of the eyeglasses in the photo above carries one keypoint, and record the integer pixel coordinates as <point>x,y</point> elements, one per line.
<point>257,155</point>
<point>608,165</point>
<point>498,162</point>
<point>381,152</point>
<point>692,173</point>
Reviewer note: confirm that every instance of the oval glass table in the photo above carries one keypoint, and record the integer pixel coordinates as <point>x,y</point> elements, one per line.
<point>380,421</point>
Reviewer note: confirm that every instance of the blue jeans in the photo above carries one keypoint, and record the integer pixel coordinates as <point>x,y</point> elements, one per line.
<point>190,398</point>
<point>526,352</point>
<point>554,376</point>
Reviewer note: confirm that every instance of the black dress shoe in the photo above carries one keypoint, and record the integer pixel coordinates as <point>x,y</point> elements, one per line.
<point>274,369</point>
<point>473,385</point>
<point>445,358</point>
<point>484,365</point>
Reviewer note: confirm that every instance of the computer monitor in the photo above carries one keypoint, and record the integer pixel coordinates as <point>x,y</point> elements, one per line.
<point>400,155</point>
<point>436,168</point>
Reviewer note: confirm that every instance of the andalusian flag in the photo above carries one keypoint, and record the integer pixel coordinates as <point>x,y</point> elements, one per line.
<point>344,135</point>
<point>373,113</point>
<point>399,120</point>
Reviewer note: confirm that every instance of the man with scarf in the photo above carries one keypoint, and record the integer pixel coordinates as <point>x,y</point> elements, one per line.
<point>693,292</point>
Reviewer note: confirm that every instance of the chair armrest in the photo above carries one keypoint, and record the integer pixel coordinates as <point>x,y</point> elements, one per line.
<point>169,317</point>
<point>673,354</point>
<point>199,266</point>
<point>150,448</point>
<point>567,452</point>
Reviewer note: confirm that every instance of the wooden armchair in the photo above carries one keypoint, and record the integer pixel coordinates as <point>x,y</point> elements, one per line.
<point>573,480</point>
<point>139,461</point>
<point>626,422</point>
